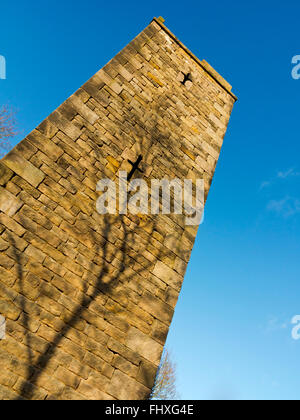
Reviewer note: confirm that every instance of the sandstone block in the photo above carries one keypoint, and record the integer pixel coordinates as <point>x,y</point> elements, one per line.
<point>132,390</point>
<point>67,377</point>
<point>42,143</point>
<point>166,274</point>
<point>5,174</point>
<point>23,168</point>
<point>144,345</point>
<point>9,204</point>
<point>92,393</point>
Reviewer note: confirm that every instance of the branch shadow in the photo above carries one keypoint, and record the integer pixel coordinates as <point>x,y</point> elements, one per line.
<point>128,259</point>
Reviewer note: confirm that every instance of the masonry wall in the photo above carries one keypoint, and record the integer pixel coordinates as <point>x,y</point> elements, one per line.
<point>88,299</point>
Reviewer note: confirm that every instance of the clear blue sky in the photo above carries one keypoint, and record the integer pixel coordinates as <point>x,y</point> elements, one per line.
<point>231,335</point>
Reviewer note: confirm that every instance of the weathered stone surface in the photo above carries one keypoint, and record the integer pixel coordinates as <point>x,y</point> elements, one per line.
<point>133,390</point>
<point>90,392</point>
<point>5,174</point>
<point>144,345</point>
<point>167,274</point>
<point>41,142</point>
<point>9,204</point>
<point>23,168</point>
<point>83,110</point>
<point>147,373</point>
<point>157,307</point>
<point>89,298</point>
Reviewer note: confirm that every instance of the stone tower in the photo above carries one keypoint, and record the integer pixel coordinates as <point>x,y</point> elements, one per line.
<point>87,298</point>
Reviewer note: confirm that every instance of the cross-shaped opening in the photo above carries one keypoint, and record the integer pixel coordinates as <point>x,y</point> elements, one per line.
<point>135,166</point>
<point>187,78</point>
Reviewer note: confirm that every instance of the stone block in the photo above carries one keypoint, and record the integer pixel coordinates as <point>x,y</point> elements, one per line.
<point>132,391</point>
<point>9,204</point>
<point>144,345</point>
<point>167,275</point>
<point>5,174</point>
<point>23,168</point>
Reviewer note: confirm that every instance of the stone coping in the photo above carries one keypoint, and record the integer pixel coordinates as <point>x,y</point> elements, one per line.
<point>204,64</point>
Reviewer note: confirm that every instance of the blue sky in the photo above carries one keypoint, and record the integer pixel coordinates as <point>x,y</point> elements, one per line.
<point>231,335</point>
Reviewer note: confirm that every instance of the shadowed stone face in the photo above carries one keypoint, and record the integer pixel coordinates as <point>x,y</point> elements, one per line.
<point>88,298</point>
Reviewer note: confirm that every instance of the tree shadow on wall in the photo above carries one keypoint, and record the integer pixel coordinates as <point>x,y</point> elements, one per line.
<point>127,269</point>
